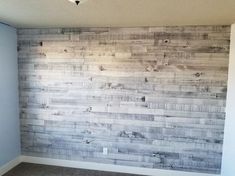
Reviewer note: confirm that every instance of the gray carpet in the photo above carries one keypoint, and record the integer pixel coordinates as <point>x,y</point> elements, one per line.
<point>25,169</point>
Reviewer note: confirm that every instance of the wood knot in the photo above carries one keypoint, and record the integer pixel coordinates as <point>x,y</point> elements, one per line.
<point>166,41</point>
<point>89,109</point>
<point>146,80</point>
<point>143,99</point>
<point>43,54</point>
<point>198,74</point>
<point>109,85</point>
<point>89,141</point>
<point>164,55</point>
<point>101,68</point>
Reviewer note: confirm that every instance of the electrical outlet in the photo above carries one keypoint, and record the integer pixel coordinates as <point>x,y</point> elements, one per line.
<point>105,151</point>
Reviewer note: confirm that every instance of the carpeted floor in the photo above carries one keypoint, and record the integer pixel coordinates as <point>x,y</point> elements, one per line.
<point>25,169</point>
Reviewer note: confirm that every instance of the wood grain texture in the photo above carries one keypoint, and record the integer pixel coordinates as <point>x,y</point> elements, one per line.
<point>154,96</point>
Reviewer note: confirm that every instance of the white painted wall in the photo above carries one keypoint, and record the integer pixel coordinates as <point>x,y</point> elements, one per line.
<point>9,115</point>
<point>228,164</point>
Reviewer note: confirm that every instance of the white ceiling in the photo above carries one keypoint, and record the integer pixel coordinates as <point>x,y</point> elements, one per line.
<point>116,13</point>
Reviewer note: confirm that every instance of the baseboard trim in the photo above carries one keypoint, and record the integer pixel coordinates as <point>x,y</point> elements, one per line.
<point>108,167</point>
<point>10,165</point>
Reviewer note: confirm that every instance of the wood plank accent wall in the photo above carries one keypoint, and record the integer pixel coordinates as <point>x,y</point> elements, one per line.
<point>154,96</point>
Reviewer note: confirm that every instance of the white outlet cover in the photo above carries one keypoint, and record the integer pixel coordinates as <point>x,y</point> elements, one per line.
<point>105,151</point>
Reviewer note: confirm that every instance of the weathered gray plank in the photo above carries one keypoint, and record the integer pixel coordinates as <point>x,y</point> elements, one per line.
<point>154,96</point>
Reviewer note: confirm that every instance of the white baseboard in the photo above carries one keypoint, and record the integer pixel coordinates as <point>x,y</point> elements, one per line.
<point>10,165</point>
<point>108,167</point>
